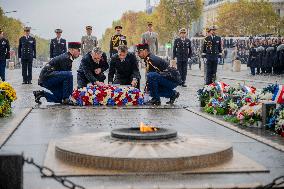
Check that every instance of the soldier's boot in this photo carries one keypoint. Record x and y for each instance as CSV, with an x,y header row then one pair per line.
x,y
173,98
38,95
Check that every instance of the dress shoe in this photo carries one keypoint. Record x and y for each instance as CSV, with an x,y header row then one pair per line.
x,y
67,102
25,82
38,95
29,82
154,101
173,98
184,85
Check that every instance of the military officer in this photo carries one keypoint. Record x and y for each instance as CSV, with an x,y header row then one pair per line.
x,y
26,53
117,40
57,45
92,68
4,54
151,38
157,84
123,68
56,76
88,41
212,50
182,52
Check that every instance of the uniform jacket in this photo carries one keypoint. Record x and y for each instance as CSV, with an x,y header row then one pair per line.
x,y
88,43
212,46
27,47
87,67
115,41
4,49
151,38
57,47
155,63
62,62
182,49
126,70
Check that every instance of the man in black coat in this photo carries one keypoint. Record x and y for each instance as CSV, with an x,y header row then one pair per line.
x,y
182,52
123,68
91,69
26,54
56,76
212,50
4,54
57,45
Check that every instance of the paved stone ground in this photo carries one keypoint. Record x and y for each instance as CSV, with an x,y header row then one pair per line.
x,y
45,124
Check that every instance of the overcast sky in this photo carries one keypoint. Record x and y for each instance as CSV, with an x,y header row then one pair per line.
x,y
70,15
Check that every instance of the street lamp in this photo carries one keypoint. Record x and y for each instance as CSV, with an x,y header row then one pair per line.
x,y
7,12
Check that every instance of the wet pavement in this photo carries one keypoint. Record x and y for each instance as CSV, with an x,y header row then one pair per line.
x,y
54,122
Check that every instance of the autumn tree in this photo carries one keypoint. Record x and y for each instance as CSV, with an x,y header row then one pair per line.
x,y
246,17
168,17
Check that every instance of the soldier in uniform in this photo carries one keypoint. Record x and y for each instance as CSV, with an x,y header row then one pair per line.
x,y
212,50
4,54
56,76
123,68
88,41
151,38
158,85
182,52
57,45
92,68
252,58
117,40
26,54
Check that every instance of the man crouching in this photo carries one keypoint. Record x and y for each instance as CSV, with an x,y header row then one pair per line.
x,y
158,82
56,76
91,69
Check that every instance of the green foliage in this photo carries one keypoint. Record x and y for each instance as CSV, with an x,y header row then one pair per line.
x,y
165,19
13,30
245,17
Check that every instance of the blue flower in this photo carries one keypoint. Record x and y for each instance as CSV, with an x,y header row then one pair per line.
x,y
140,101
124,101
110,102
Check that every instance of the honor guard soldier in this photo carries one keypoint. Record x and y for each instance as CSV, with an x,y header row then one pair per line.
x,y
117,40
151,38
4,54
182,52
56,76
88,41
26,54
212,50
92,68
123,68
157,84
57,45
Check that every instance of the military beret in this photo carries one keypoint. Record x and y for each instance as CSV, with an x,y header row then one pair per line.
x,y
27,28
207,29
58,31
150,23
74,45
182,30
118,27
142,46
212,28
89,27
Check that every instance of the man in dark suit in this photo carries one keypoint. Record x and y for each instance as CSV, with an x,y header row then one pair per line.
x,y
92,68
123,68
182,52
57,45
4,54
212,50
56,76
26,53
117,40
